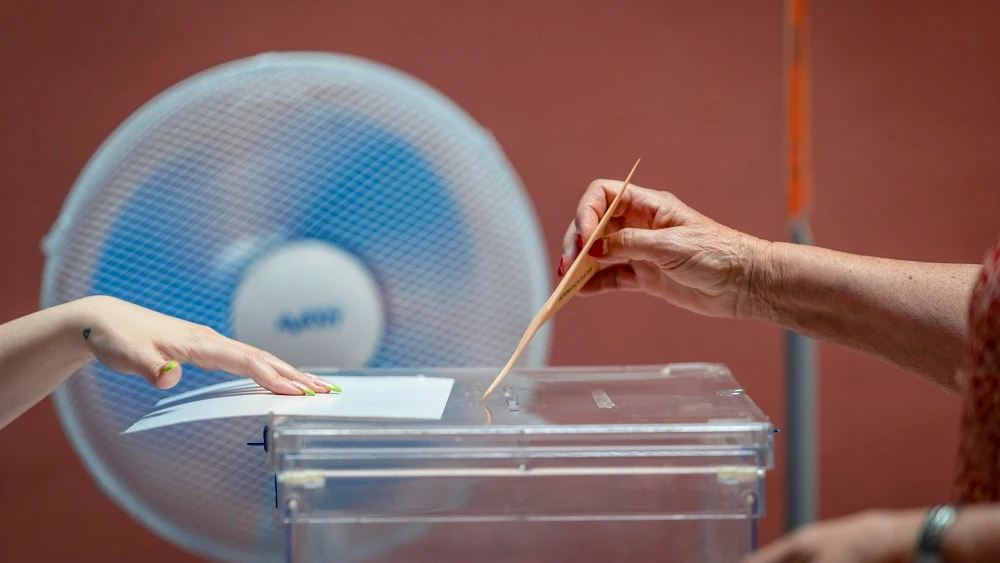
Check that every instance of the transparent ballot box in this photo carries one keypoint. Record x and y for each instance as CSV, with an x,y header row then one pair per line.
x,y
653,463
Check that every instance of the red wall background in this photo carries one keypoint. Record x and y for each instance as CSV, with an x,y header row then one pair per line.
x,y
907,158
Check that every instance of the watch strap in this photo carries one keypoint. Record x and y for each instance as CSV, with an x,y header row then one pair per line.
x,y
931,540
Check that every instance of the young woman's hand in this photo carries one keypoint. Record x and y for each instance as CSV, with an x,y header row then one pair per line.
x,y
130,339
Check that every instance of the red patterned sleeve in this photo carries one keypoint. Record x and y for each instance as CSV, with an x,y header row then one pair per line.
x,y
978,477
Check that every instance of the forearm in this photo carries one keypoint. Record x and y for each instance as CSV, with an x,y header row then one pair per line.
x,y
37,353
911,314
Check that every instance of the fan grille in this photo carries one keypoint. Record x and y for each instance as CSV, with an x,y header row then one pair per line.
x,y
237,162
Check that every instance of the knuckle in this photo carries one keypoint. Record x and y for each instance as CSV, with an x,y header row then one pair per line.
x,y
194,343
206,331
199,337
667,201
626,238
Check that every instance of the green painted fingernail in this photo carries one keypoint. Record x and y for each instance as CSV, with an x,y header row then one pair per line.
x,y
308,391
169,367
333,388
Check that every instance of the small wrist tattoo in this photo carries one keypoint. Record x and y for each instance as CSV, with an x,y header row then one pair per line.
x,y
86,333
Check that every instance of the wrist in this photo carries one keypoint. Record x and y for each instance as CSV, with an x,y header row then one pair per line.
x,y
77,322
760,279
932,533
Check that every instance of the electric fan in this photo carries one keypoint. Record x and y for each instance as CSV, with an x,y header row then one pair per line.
x,y
326,208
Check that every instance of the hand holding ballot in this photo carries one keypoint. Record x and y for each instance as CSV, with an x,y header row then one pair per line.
x,y
656,244
911,314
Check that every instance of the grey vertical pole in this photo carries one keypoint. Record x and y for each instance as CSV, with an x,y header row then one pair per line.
x,y
801,411
800,351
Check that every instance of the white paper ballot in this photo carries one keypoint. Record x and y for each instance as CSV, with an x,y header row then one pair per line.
x,y
397,397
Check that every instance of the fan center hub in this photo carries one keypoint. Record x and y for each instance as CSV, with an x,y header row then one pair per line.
x,y
311,304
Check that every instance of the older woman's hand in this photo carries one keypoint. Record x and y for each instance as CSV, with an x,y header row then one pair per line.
x,y
869,537
656,244
909,313
131,339
888,537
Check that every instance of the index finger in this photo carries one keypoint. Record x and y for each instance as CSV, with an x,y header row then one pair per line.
x,y
592,206
595,202
639,207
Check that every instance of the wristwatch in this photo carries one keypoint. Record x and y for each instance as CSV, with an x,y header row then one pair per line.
x,y
931,539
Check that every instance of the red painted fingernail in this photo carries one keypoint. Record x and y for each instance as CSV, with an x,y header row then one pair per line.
x,y
579,241
562,266
597,249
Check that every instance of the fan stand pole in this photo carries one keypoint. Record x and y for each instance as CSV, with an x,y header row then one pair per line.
x,y
800,351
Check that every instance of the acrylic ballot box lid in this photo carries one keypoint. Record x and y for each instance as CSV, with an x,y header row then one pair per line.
x,y
654,458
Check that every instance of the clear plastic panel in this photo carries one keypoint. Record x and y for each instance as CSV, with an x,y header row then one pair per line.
x,y
559,464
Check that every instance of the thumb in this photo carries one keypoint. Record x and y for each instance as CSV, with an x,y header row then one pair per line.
x,y
631,244
162,372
